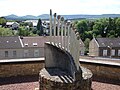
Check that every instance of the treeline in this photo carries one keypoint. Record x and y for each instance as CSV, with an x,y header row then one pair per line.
x,y
104,27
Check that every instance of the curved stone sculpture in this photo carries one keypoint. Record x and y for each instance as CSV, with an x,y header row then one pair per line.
x,y
62,68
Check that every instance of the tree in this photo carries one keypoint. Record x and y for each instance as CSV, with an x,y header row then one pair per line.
x,y
39,27
6,32
23,32
82,26
2,21
90,25
86,42
101,27
88,34
117,22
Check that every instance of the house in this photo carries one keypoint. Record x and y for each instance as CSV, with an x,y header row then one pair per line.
x,y
34,23
12,25
10,47
14,47
33,46
105,47
36,45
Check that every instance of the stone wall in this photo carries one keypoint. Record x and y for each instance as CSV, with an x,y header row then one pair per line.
x,y
103,71
10,69
100,71
55,79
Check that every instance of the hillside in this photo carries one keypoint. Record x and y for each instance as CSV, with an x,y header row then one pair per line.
x,y
46,16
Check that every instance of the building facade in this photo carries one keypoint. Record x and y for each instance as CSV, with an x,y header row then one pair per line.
x,y
12,25
15,47
105,47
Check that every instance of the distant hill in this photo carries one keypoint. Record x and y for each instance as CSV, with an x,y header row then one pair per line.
x,y
46,16
43,16
11,17
29,17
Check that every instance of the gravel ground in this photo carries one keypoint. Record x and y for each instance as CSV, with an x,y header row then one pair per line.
x,y
20,86
30,83
104,86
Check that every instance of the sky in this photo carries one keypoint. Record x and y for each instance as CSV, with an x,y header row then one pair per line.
x,y
62,7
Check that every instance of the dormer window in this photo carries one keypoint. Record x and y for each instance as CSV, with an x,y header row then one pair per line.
x,y
103,44
26,44
34,44
111,43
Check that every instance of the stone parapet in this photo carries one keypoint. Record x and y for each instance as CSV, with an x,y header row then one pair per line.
x,y
103,72
23,68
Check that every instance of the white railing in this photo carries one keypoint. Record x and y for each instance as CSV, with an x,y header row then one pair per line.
x,y
63,35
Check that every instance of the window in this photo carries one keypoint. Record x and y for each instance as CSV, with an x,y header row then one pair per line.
x,y
34,44
26,54
26,44
6,53
118,52
14,53
113,52
104,52
36,53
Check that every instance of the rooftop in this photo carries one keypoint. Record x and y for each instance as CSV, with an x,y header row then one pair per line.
x,y
9,42
105,42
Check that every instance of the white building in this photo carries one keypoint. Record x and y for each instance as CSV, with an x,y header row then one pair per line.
x,y
12,25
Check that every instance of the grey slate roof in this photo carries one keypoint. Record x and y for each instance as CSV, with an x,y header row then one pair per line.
x,y
37,41
14,42
9,42
105,42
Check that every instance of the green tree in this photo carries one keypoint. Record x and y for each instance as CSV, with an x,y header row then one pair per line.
x,y
86,42
39,27
2,21
100,27
117,22
88,34
6,32
82,26
23,32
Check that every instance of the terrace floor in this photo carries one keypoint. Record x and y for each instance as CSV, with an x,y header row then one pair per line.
x,y
31,82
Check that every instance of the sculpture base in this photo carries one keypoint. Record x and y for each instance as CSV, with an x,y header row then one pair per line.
x,y
56,79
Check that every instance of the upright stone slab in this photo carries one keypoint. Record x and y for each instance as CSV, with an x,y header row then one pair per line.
x,y
59,76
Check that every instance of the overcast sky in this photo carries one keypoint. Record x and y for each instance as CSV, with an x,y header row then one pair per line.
x,y
66,7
